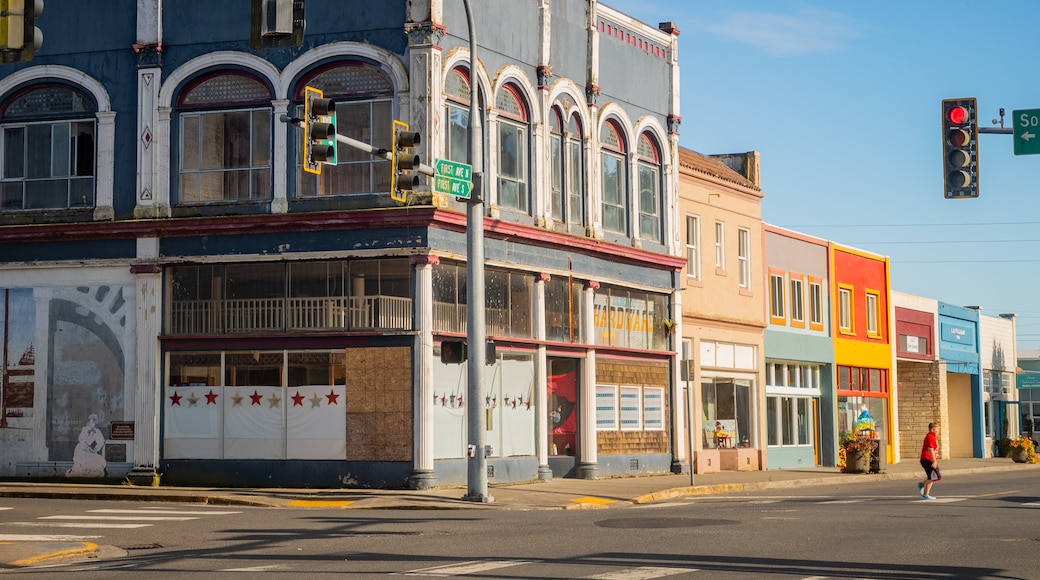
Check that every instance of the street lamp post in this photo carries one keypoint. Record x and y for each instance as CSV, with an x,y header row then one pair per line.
x,y
477,480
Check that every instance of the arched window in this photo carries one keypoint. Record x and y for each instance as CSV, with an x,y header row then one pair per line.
x,y
648,155
568,172
614,178
456,89
47,149
513,147
363,95
225,139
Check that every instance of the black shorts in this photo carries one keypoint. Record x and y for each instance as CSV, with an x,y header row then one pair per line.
x,y
928,469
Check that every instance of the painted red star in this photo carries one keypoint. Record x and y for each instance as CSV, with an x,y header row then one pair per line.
x,y
175,399
297,399
255,397
332,397
211,398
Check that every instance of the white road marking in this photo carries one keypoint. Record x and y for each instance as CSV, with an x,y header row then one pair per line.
x,y
641,573
268,568
91,525
6,508
44,538
942,499
466,568
842,501
162,512
668,504
144,518
1032,504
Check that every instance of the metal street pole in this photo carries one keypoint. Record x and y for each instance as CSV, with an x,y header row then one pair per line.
x,y
477,480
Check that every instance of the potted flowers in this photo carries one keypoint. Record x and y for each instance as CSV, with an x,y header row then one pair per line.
x,y
1023,449
857,453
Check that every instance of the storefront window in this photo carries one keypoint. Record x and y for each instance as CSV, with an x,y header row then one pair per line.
x,y
863,417
563,300
726,412
630,319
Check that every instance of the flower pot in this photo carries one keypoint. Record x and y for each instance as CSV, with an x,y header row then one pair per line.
x,y
857,462
1019,455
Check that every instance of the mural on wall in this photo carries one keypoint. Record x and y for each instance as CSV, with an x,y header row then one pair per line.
x,y
68,356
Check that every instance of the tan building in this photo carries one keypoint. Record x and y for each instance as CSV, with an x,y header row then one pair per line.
x,y
723,309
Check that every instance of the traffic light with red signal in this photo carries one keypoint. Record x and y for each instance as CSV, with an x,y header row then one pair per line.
x,y
960,148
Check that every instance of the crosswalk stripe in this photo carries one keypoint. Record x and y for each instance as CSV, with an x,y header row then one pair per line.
x,y
466,568
91,525
143,518
44,538
162,512
641,573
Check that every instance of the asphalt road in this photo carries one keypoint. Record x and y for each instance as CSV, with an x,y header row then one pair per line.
x,y
981,526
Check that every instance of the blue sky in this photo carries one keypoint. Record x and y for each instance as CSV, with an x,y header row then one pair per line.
x,y
843,100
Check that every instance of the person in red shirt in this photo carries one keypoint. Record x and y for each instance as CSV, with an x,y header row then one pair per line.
x,y
930,462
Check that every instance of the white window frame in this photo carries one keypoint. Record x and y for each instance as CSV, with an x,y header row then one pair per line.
x,y
777,301
693,250
720,245
744,257
815,303
845,309
798,300
873,314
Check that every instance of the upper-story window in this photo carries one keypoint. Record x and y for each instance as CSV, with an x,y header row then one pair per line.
x,y
648,154
47,149
225,139
815,303
568,171
744,257
513,146
845,309
720,245
364,111
693,246
613,155
456,134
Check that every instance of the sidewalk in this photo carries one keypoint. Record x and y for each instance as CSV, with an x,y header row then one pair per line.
x,y
556,494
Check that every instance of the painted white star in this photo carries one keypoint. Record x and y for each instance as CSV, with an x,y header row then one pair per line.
x,y
315,401
274,400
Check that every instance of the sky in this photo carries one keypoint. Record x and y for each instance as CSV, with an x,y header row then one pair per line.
x,y
843,101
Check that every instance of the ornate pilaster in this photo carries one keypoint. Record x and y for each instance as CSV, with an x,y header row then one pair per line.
x,y
541,395
423,475
588,458
148,278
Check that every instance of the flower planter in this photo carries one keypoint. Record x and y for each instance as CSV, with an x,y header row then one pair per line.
x,y
1019,455
857,462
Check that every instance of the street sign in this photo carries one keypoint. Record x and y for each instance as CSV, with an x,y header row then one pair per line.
x,y
454,169
449,186
1026,129
453,178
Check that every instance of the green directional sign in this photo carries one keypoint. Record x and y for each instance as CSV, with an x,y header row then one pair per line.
x,y
1026,129
454,169
449,186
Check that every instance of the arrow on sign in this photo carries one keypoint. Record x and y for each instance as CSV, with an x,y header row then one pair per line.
x,y
1027,136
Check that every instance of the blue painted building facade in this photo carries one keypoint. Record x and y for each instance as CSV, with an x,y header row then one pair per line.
x,y
176,281
959,349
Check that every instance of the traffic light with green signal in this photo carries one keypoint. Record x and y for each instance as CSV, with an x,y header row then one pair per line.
x,y
960,148
319,131
403,162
